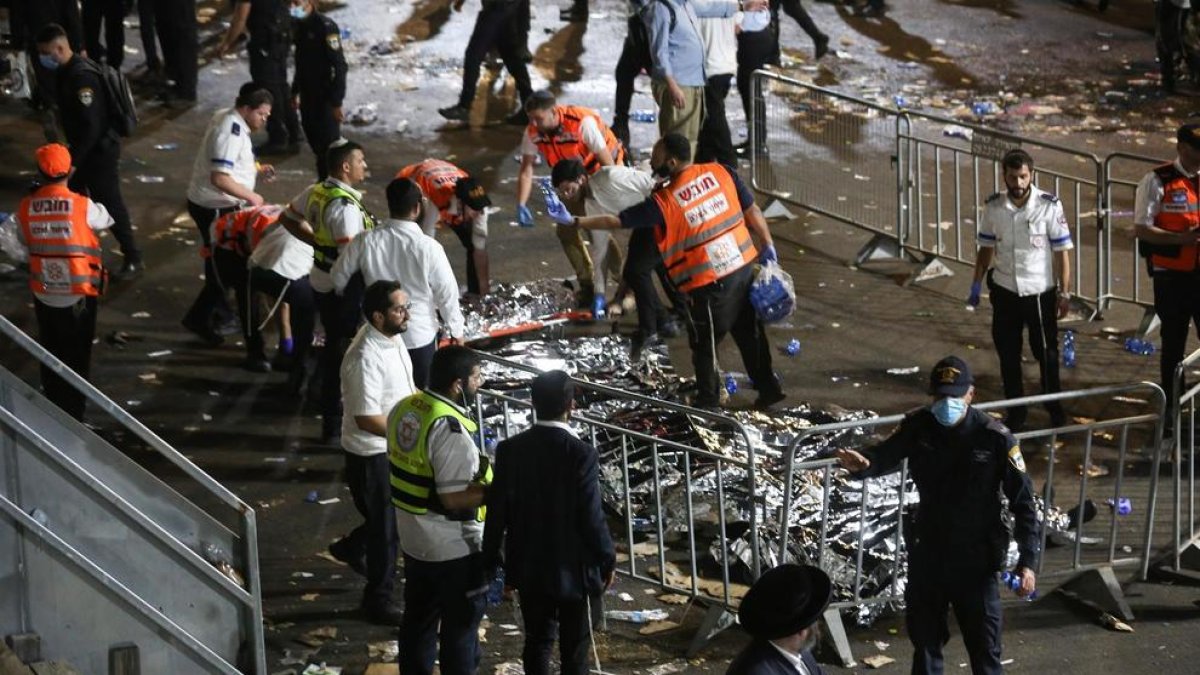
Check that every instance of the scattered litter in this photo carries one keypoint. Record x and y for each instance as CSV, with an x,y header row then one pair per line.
x,y
387,650
859,176
637,615
302,575
206,417
625,596
312,497
318,636
331,500
1130,399
140,315
401,126
314,669
956,131
508,626
143,178
1113,623
1007,662
655,627
645,116
910,370
672,667
159,353
167,146
275,460
674,599
645,548
363,115
148,377
509,668
881,645
309,597
132,404
877,660
296,657
1094,470
1104,34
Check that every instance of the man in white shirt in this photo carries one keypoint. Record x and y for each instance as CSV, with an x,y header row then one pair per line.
x,y
439,482
398,249
376,375
279,267
720,63
223,180
1024,240
328,215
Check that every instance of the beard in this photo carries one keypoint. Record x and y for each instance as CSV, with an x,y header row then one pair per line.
x,y
811,638
1018,193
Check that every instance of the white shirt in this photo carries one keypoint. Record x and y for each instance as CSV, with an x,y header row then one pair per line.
x,y
1147,201
398,250
432,537
589,133
1024,239
227,149
794,659
720,45
17,248
376,375
283,254
613,189
345,221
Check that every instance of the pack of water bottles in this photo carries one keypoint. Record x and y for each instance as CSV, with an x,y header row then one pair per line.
x,y
772,293
1138,346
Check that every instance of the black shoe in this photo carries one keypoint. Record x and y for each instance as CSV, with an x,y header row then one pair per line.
x,y
129,271
1058,418
176,102
357,563
257,364
620,129
768,401
455,113
208,335
820,47
518,119
384,614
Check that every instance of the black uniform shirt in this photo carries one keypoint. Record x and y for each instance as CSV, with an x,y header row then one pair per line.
x,y
269,22
320,62
961,472
84,110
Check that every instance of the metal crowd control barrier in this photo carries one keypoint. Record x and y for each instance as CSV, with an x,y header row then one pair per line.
x,y
1184,560
640,453
1079,570
97,552
1125,271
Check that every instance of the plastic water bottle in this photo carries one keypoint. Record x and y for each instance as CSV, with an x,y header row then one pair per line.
x,y
1137,346
792,348
900,101
1013,581
495,591
648,116
1122,506
981,108
730,384
1068,352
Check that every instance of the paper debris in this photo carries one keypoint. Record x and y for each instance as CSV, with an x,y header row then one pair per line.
x,y
322,669
159,353
309,597
673,599
1113,623
387,650
655,627
877,660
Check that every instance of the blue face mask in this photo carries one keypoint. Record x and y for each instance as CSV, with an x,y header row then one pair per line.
x,y
949,410
298,12
48,61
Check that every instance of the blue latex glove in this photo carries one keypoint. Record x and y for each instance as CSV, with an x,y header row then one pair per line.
x,y
554,206
973,298
768,254
599,307
524,216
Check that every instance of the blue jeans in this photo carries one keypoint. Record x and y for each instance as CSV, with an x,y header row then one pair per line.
x,y
452,592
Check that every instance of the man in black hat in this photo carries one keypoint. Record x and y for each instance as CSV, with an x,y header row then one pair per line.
x,y
961,460
546,528
781,610
1166,212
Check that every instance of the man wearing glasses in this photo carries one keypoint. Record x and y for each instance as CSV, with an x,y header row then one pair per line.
x,y
399,250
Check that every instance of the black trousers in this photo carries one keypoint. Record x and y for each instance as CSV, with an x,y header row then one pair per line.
x,y
321,129
1177,303
794,9
210,308
67,333
97,176
724,307
340,315
629,65
233,275
268,69
147,29
493,29
176,21
369,479
463,232
755,50
297,293
1012,315
422,360
641,263
548,619
975,598
451,593
112,14
715,144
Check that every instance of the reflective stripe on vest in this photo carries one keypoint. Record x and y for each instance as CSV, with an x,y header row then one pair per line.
x,y
325,247
230,230
1179,211
437,180
412,480
705,238
567,142
64,252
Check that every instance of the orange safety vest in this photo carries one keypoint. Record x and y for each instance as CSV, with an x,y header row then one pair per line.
x,y
240,231
567,142
1178,212
64,252
705,238
437,179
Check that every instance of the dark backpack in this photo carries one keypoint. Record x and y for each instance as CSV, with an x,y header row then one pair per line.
x,y
639,36
122,112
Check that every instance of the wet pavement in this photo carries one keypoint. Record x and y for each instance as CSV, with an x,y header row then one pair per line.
x,y
1056,70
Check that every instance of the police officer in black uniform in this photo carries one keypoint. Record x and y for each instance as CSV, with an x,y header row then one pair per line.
x,y
961,459
95,145
177,32
320,82
270,25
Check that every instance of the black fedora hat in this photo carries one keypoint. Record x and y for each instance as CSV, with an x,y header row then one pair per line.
x,y
785,600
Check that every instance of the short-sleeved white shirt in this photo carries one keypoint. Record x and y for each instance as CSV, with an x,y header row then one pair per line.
x,y
283,254
613,189
226,148
376,375
455,459
345,222
589,131
1024,239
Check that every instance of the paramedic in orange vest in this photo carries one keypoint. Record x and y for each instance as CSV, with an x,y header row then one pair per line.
x,y
558,132
705,222
461,204
1167,215
58,230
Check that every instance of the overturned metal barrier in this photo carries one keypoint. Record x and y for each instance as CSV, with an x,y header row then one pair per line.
x,y
854,530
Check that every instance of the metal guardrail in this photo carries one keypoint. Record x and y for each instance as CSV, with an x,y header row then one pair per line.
x,y
1186,538
1125,270
124,551
733,478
